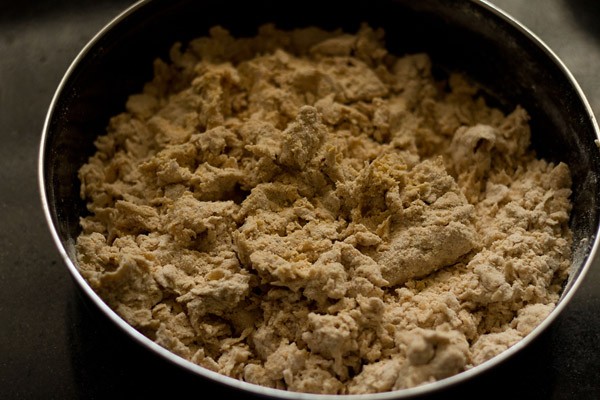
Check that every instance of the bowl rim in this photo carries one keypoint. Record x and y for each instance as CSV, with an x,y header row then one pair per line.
x,y
218,378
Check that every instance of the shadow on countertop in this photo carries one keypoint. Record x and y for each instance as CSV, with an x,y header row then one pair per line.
x,y
12,12
586,13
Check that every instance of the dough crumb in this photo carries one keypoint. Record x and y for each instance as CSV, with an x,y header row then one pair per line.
x,y
305,211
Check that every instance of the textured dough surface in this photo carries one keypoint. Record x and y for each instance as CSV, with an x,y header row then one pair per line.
x,y
305,211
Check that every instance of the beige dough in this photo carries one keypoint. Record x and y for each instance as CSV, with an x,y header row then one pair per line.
x,y
305,211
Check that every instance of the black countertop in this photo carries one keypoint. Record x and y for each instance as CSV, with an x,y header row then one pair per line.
x,y
52,345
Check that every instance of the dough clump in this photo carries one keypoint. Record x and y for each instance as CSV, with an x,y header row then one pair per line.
x,y
305,211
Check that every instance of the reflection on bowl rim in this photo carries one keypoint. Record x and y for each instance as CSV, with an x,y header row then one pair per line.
x,y
278,393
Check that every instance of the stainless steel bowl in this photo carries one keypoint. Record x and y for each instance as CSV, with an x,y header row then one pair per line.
x,y
474,37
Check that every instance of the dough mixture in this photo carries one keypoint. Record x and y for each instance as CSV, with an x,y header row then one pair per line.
x,y
305,211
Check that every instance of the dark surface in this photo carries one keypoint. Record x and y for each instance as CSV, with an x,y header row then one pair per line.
x,y
53,346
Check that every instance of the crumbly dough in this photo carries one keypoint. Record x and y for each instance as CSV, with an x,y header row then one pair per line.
x,y
305,211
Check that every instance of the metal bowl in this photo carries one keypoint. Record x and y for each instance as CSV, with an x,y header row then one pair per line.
x,y
506,59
